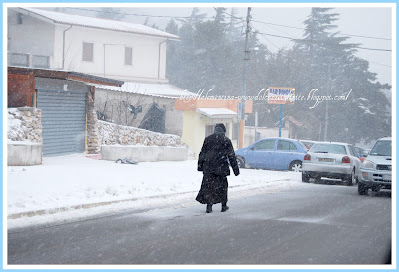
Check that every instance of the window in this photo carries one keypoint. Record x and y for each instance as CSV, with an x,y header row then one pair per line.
x,y
285,145
20,59
41,61
87,52
352,152
209,129
265,145
128,56
328,148
382,148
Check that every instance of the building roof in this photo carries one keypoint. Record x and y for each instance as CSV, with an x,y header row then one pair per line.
x,y
85,21
217,112
152,89
59,74
291,119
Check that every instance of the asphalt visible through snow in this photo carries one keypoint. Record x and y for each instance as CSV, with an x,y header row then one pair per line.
x,y
313,224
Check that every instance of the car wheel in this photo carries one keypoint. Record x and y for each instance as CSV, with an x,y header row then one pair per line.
x,y
350,179
296,166
241,162
375,188
362,189
305,177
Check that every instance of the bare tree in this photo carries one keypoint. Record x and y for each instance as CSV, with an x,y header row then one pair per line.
x,y
120,107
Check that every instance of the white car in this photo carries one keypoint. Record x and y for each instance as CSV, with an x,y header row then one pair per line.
x,y
376,170
331,160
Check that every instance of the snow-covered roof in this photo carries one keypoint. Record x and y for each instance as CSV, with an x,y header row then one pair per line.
x,y
217,112
152,89
78,20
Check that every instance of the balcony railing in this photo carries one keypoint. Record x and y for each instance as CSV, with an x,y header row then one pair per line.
x,y
28,60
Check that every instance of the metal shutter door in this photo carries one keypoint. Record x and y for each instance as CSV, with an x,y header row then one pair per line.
x,y
63,121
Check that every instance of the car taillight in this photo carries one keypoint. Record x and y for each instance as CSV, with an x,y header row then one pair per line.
x,y
307,157
346,159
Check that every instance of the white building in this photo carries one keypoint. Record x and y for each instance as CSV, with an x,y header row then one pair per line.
x,y
100,47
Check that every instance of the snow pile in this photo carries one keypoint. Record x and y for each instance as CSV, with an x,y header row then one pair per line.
x,y
56,190
24,125
113,134
15,131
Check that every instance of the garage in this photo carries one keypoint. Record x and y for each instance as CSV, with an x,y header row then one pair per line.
x,y
63,121
66,100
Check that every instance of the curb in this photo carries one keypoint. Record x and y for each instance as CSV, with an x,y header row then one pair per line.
x,y
99,204
85,206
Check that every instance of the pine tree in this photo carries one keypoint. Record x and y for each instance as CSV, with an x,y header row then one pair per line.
x,y
110,13
235,26
195,17
220,16
171,51
331,67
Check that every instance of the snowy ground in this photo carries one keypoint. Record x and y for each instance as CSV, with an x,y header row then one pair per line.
x,y
74,187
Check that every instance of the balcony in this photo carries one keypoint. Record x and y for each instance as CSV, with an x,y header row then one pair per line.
x,y
28,60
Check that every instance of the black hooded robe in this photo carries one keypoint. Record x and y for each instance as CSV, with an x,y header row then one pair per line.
x,y
216,153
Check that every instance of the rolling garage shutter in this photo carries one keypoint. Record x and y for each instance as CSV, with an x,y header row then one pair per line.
x,y
63,121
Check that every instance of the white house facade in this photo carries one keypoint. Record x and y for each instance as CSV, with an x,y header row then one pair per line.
x,y
101,47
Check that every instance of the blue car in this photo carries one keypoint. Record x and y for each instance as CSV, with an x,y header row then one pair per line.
x,y
273,153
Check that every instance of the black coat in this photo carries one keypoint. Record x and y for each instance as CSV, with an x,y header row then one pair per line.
x,y
216,153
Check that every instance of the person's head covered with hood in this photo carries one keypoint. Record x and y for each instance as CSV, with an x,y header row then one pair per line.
x,y
220,128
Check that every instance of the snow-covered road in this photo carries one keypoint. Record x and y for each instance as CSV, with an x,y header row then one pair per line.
x,y
63,188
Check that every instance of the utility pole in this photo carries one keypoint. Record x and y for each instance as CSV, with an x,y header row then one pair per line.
x,y
244,85
326,113
256,124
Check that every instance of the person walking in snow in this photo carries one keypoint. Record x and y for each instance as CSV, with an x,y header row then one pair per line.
x,y
216,154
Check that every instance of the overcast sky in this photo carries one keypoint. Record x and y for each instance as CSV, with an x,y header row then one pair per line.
x,y
357,20
371,22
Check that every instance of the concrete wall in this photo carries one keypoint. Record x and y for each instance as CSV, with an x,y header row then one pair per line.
x,y
144,153
21,154
111,104
24,136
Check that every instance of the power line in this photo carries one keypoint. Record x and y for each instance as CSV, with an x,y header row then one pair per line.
x,y
134,14
302,28
263,35
212,17
316,42
268,34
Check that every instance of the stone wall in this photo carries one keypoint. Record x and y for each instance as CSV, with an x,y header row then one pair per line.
x,y
93,142
113,134
24,124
